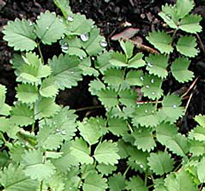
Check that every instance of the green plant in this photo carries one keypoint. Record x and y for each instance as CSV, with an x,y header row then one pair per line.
x,y
45,147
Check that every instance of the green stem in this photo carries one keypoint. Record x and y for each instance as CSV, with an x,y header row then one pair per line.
x,y
127,169
146,177
41,185
40,52
84,169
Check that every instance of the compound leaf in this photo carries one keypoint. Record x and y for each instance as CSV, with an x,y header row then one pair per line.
x,y
27,93
178,145
161,41
133,78
182,10
180,70
171,109
108,97
34,166
116,182
200,170
128,97
22,115
106,152
49,28
114,77
198,133
186,45
157,64
65,71
91,130
136,184
175,182
144,140
48,88
20,35
165,132
151,87
117,126
13,178
160,163
136,61
190,24
145,115
94,182
80,150
46,107
200,119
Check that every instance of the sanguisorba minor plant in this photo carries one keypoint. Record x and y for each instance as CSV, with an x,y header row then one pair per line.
x,y
43,145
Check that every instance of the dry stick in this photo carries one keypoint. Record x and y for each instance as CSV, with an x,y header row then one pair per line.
x,y
201,43
188,102
190,87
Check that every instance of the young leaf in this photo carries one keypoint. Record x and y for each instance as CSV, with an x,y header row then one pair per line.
x,y
157,64
20,35
108,97
27,93
184,10
136,184
49,28
114,77
190,24
127,47
13,178
152,87
116,182
133,78
94,182
180,70
80,150
48,88
144,140
161,41
65,71
186,45
22,115
136,61
160,163
106,152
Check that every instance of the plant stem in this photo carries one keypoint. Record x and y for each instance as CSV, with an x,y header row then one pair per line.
x,y
41,185
127,169
40,52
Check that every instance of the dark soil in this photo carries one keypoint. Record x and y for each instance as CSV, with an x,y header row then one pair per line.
x,y
110,17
